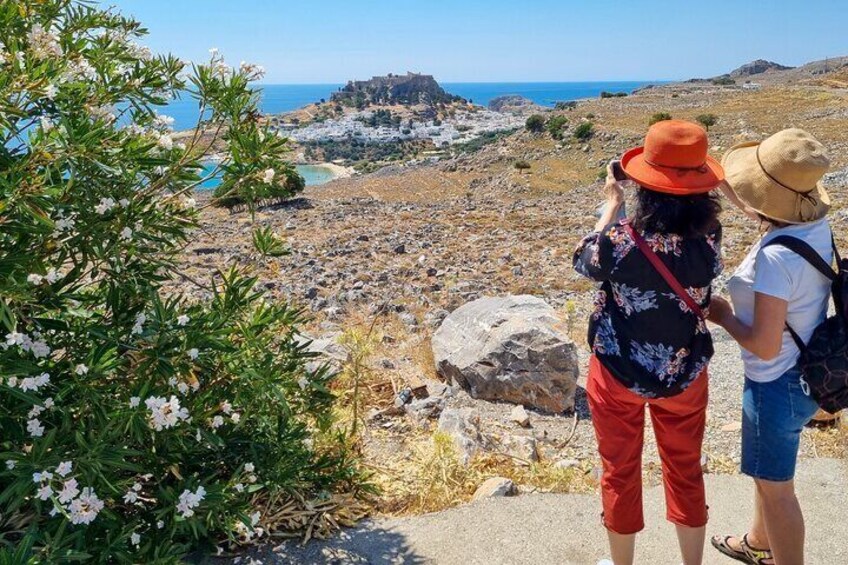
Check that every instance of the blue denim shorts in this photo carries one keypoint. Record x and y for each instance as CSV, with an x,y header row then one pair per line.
x,y
773,415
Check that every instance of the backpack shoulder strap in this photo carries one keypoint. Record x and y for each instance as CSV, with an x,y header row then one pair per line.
x,y
664,272
804,249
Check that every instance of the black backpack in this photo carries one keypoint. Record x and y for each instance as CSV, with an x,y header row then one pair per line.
x,y
824,359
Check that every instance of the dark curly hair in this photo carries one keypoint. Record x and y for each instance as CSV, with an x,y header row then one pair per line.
x,y
687,216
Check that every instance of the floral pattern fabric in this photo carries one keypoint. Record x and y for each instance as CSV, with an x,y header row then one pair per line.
x,y
641,331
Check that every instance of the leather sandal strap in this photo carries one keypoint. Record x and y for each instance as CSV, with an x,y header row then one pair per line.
x,y
758,555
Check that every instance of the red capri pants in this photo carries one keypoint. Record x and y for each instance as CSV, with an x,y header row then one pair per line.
x,y
618,416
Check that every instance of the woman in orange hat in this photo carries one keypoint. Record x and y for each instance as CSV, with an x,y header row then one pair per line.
x,y
649,340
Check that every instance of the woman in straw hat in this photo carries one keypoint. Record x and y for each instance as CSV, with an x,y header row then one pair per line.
x,y
777,182
649,339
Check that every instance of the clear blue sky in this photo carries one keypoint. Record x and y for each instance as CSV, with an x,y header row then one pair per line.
x,y
331,41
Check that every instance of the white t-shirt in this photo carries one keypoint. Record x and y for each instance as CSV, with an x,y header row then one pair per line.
x,y
779,272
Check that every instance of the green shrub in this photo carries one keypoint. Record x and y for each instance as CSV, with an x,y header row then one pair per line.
x,y
707,120
555,125
723,81
584,131
590,116
659,117
535,123
606,94
522,165
138,424
570,105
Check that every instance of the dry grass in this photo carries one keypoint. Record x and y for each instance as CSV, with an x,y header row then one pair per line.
x,y
831,442
433,478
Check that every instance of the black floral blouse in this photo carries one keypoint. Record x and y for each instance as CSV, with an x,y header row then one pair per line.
x,y
640,330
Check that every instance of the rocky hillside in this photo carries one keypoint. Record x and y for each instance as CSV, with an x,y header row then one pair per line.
x,y
757,67
408,89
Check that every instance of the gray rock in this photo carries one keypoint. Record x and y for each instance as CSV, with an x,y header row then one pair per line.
x,y
520,416
423,410
567,464
510,349
463,424
496,486
329,348
524,448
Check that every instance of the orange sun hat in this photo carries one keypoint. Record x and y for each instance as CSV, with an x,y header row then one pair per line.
x,y
674,160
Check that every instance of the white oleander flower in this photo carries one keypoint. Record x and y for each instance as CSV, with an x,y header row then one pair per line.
x,y
105,205
42,476
134,401
12,382
124,202
85,508
165,413
35,412
249,467
126,233
35,383
189,501
165,142
183,320
43,43
236,417
160,524
46,124
130,497
48,403
40,349
268,176
10,464
138,328
183,388
35,279
70,489
193,353
303,382
135,539
64,468
239,487
35,428
217,422
51,91
45,492
81,369
52,276
213,51
226,407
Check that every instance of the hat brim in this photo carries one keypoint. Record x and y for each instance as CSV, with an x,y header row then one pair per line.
x,y
680,182
762,194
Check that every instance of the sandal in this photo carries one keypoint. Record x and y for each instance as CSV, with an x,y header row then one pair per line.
x,y
746,554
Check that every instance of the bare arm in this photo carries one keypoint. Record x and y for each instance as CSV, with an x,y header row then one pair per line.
x,y
765,337
615,199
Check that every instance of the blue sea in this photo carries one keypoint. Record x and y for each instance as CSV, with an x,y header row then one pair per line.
x,y
278,98
312,175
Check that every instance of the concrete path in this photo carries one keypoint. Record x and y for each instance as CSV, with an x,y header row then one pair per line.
x,y
564,529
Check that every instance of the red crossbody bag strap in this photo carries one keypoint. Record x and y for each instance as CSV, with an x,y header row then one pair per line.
x,y
663,271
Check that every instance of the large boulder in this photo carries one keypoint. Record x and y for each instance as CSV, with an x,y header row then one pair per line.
x,y
510,349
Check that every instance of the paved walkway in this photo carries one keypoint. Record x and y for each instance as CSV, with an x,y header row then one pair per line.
x,y
564,529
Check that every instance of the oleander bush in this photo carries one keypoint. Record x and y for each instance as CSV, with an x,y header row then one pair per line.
x,y
556,126
584,131
659,117
137,424
535,123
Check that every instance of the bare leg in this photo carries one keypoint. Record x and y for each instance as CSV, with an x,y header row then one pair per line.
x,y
622,547
784,521
757,535
691,541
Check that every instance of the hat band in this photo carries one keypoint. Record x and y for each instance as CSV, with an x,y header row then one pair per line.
x,y
702,168
769,175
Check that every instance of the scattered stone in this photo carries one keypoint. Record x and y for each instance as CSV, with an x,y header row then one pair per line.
x,y
510,349
520,416
496,486
329,348
400,249
423,410
463,424
524,448
732,427
567,464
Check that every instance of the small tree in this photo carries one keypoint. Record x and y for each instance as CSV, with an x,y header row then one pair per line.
x,y
555,126
522,165
707,120
659,117
584,131
535,123
138,423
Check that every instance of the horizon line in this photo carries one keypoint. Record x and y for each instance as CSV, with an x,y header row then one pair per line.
x,y
482,82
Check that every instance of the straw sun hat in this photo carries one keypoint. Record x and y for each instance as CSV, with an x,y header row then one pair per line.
x,y
780,176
